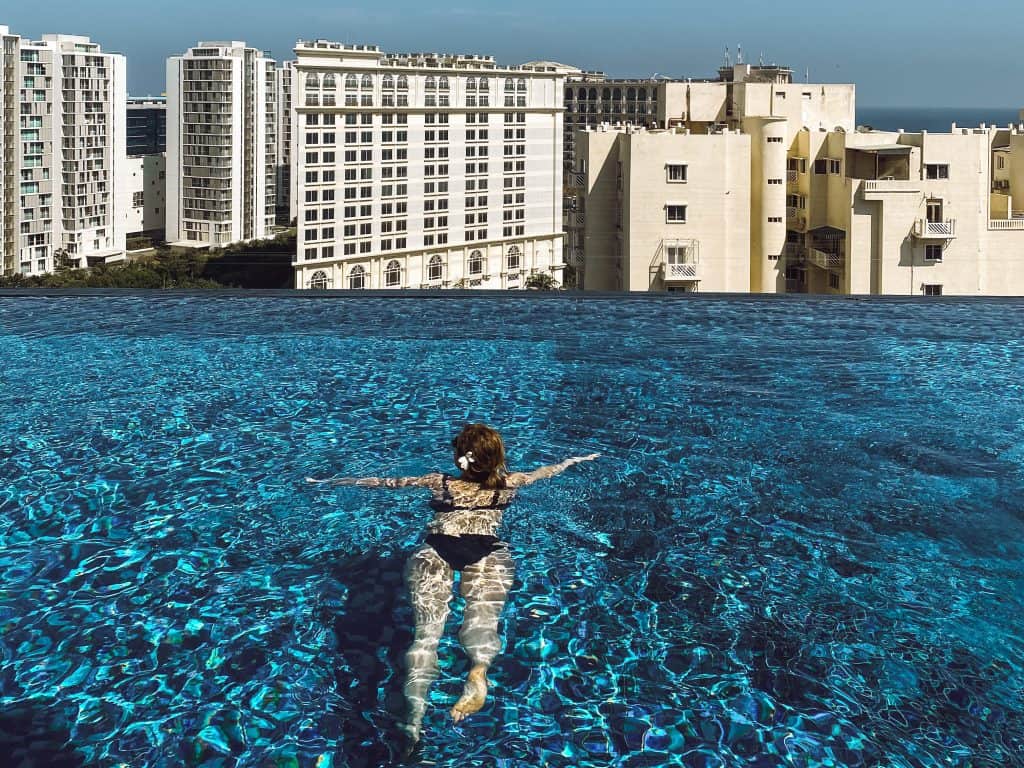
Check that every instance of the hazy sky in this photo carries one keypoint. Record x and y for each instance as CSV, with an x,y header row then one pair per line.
x,y
934,53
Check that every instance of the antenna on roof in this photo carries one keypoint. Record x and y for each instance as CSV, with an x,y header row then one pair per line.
x,y
739,53
728,58
760,59
807,75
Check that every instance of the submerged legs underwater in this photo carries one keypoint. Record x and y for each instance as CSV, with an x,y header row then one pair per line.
x,y
484,585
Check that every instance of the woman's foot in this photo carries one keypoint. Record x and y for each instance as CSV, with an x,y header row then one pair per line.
x,y
474,695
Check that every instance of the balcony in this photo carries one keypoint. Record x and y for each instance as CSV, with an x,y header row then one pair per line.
x,y
873,188
686,271
824,260
792,176
676,261
935,230
1003,224
796,219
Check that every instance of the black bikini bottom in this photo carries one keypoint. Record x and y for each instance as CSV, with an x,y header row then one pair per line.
x,y
462,551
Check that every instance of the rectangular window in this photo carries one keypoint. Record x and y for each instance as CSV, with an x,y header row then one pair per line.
x,y
835,167
833,281
936,171
774,181
932,290
774,139
676,173
774,219
933,253
675,214
821,166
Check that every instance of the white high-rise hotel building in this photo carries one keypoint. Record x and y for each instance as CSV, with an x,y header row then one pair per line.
x,y
62,115
425,170
221,144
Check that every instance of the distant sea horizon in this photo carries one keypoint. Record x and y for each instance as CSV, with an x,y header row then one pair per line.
x,y
934,119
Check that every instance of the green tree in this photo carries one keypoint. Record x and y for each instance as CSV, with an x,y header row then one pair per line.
x,y
541,281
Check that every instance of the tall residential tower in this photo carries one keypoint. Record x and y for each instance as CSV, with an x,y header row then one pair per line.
x,y
62,113
221,144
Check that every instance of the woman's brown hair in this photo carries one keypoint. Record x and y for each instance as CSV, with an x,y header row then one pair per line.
x,y
488,454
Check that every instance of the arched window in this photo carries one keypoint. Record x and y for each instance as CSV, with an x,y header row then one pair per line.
x,y
617,94
350,81
435,268
510,86
318,282
513,257
388,82
367,82
641,95
431,83
568,94
631,94
592,94
442,83
521,85
312,81
403,82
484,84
357,278
393,274
329,81
606,94
581,94
476,263
471,84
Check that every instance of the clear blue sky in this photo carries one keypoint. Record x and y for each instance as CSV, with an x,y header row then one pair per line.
x,y
936,53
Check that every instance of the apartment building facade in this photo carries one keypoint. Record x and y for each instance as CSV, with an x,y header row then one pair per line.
x,y
221,144
760,102
62,114
911,214
665,209
284,179
147,125
425,170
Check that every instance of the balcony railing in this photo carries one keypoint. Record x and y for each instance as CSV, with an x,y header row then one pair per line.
x,y
886,186
792,176
1006,224
686,271
935,229
825,260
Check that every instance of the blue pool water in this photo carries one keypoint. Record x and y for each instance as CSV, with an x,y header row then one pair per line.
x,y
803,546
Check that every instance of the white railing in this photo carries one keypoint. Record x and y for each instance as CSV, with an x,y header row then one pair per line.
x,y
891,185
924,228
680,271
792,176
825,260
1006,224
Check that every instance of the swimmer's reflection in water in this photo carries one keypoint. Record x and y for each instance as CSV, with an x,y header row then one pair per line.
x,y
463,538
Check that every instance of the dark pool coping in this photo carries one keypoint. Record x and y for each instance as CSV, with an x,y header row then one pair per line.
x,y
293,293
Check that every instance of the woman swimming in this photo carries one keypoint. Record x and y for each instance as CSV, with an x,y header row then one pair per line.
x,y
463,538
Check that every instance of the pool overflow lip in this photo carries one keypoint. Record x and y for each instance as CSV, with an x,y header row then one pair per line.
x,y
455,295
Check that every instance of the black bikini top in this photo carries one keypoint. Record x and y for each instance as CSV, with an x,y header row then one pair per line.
x,y
447,502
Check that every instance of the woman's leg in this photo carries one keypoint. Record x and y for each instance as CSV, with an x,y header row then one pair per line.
x,y
485,586
429,579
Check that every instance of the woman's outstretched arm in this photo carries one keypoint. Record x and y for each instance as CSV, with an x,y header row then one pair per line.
x,y
519,479
432,480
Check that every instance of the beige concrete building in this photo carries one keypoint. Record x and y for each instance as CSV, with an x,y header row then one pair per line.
x,y
907,213
665,209
760,102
